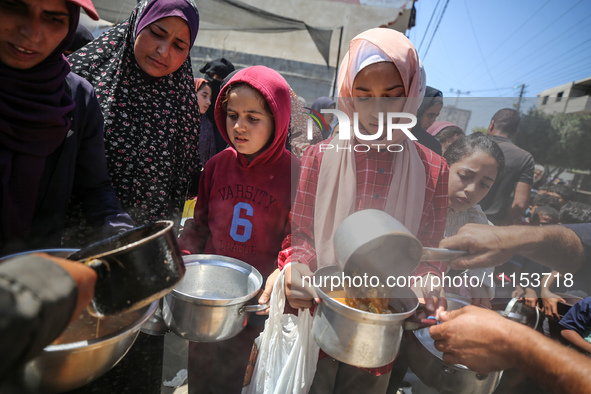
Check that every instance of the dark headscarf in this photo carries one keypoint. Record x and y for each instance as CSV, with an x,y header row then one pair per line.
x,y
82,37
222,67
151,124
432,97
34,120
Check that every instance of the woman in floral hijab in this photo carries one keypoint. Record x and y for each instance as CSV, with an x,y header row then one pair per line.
x,y
151,120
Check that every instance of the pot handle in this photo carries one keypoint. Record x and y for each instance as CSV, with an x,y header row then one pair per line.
x,y
414,323
253,308
441,254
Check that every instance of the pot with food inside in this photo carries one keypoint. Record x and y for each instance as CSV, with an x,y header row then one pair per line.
x,y
365,332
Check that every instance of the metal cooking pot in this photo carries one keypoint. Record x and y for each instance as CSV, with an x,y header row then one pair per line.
x,y
356,337
517,311
134,268
80,359
427,363
209,304
374,243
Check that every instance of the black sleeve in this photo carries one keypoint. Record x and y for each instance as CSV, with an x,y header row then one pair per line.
x,y
37,299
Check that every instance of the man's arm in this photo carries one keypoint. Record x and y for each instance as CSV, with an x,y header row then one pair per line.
x,y
557,247
39,295
520,203
485,341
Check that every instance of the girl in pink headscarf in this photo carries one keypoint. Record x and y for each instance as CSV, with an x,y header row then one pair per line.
x,y
446,133
380,73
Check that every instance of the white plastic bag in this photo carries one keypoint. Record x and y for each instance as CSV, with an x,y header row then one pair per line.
x,y
287,351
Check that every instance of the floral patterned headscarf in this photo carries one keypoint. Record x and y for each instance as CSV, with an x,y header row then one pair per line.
x,y
151,124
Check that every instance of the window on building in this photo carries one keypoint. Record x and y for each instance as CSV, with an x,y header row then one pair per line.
x,y
545,100
559,96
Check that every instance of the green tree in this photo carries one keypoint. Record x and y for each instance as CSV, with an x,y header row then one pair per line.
x,y
560,140
479,129
538,136
574,131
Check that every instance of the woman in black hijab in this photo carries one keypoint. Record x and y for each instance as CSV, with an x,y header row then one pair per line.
x,y
51,131
151,111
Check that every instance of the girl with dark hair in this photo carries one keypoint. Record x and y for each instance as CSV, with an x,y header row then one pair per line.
x,y
475,162
446,133
430,107
206,137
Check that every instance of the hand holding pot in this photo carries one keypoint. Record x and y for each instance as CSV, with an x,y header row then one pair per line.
x,y
488,246
479,297
300,293
550,301
433,297
85,278
477,338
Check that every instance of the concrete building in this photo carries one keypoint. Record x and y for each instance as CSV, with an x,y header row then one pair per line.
x,y
573,97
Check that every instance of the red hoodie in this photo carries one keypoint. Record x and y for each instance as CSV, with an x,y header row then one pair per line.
x,y
242,209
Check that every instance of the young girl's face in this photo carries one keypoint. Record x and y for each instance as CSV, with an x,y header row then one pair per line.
x,y
430,115
204,98
250,126
163,46
372,88
470,179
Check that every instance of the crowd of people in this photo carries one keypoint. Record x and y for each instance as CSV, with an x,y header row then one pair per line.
x,y
123,132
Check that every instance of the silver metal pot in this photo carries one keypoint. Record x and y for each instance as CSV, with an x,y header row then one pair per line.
x,y
73,364
356,337
209,304
374,243
517,311
427,363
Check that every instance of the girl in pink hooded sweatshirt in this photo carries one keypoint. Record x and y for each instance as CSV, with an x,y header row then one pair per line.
x,y
242,209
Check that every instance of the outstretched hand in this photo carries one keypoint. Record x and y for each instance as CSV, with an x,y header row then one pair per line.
x,y
488,246
474,337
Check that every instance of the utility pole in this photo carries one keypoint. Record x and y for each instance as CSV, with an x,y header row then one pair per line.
x,y
458,91
520,96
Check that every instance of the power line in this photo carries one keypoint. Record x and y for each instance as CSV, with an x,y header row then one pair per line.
x,y
557,59
436,27
490,90
536,35
546,45
567,76
542,51
478,44
429,24
509,36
